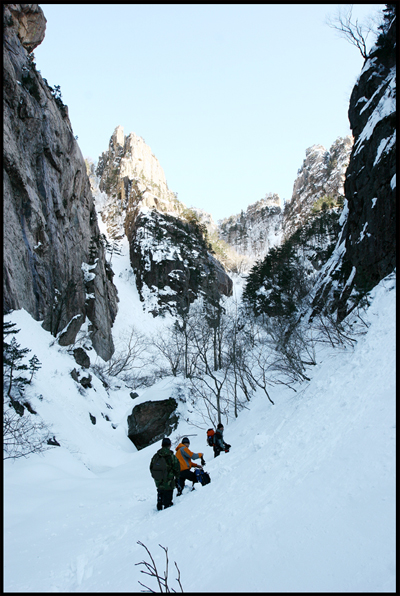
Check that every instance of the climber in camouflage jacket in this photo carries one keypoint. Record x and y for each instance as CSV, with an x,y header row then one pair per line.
x,y
166,485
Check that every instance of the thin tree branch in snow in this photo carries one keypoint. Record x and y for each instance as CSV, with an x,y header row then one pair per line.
x,y
153,572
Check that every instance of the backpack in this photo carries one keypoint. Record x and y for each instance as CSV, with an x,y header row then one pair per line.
x,y
210,437
158,467
202,477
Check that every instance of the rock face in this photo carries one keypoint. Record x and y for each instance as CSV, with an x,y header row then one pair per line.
x,y
371,176
81,357
321,178
54,265
168,249
151,421
366,249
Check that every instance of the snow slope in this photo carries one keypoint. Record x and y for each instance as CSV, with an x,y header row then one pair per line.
x,y
304,501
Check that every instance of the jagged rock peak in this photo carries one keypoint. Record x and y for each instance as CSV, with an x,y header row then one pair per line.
x,y
129,173
320,178
168,248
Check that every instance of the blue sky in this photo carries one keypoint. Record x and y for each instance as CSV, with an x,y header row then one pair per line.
x,y
228,97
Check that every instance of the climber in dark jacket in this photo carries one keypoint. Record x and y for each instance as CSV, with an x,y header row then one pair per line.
x,y
165,486
219,443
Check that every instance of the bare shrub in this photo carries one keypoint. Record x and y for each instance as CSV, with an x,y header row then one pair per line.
x,y
152,571
127,358
22,434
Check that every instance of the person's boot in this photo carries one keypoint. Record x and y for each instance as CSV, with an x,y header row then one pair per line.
x,y
179,488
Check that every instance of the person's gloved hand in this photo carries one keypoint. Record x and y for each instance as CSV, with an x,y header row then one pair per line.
x,y
203,463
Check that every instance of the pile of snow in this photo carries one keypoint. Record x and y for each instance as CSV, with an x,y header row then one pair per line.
x,y
304,501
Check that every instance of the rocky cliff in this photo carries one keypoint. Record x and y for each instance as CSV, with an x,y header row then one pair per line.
x,y
319,180
169,247
366,249
54,265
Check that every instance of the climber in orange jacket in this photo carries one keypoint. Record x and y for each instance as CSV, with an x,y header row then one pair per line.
x,y
185,457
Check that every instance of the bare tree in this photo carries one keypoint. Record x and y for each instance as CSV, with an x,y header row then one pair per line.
x,y
351,29
170,347
212,364
259,372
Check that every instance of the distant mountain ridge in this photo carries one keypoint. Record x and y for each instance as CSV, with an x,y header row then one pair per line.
x,y
264,225
253,232
131,179
320,178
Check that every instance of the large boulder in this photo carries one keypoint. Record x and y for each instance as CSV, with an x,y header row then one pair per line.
x,y
151,421
81,357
